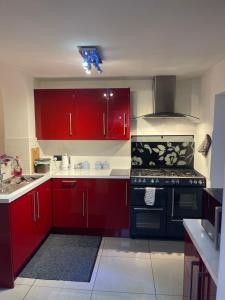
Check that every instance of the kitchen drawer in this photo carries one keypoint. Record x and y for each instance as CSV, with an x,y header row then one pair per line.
x,y
67,183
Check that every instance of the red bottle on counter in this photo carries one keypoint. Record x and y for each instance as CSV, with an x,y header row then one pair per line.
x,y
17,170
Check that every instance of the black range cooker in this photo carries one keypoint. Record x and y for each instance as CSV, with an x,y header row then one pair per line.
x,y
177,187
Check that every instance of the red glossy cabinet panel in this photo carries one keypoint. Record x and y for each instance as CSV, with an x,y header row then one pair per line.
x,y
93,203
198,284
43,211
118,114
69,207
82,114
54,114
91,114
22,228
108,204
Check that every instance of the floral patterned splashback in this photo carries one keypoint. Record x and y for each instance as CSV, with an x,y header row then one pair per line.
x,y
162,152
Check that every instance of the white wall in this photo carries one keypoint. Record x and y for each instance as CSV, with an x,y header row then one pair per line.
x,y
212,85
17,96
188,92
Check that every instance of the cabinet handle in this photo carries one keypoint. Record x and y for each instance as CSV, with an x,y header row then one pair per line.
x,y
69,181
104,127
38,205
83,203
218,211
124,124
87,209
193,264
126,194
71,132
34,206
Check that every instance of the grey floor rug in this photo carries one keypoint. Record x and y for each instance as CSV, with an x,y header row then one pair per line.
x,y
64,257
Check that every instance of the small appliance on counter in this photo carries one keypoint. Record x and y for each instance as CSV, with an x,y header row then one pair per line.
x,y
165,188
42,165
65,162
212,214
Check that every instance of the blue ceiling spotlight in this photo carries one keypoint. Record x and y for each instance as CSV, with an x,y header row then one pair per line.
x,y
92,57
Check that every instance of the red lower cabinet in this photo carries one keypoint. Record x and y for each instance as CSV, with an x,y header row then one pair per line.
x,y
198,284
24,223
93,203
69,203
108,204
43,211
23,229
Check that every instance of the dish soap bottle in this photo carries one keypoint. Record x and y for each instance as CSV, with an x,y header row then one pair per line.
x,y
17,170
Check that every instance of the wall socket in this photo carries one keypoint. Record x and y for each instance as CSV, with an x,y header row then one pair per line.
x,y
57,157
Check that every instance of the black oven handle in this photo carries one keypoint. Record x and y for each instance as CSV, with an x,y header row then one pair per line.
x,y
143,208
143,188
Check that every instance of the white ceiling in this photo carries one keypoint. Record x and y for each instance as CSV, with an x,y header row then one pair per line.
x,y
139,37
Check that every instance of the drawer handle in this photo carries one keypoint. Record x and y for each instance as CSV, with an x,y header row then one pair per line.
x,y
69,181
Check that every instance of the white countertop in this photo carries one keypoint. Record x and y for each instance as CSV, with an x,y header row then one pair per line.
x,y
89,173
204,246
76,173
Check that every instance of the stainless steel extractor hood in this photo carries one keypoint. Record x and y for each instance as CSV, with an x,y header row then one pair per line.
x,y
164,94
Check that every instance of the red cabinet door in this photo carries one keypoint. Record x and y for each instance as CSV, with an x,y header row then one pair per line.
x,y
208,287
69,210
108,204
118,127
90,117
43,203
192,268
55,114
22,228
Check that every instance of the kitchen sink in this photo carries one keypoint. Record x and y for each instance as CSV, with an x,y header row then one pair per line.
x,y
14,183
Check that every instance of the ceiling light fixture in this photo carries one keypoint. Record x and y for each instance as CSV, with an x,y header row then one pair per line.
x,y
91,56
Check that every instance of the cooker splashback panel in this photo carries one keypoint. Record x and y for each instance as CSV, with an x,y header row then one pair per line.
x,y
162,151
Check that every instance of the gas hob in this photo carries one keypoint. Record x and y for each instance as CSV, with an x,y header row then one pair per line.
x,y
167,177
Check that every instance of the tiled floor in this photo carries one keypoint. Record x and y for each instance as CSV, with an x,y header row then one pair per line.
x,y
125,269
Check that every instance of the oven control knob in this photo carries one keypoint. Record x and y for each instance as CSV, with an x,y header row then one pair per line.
x,y
173,181
152,181
144,180
139,180
177,181
190,181
195,181
200,182
157,181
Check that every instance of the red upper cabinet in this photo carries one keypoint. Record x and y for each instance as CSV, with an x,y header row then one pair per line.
x,y
90,117
82,114
54,114
118,125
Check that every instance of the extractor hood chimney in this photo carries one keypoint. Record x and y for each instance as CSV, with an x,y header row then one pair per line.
x,y
164,94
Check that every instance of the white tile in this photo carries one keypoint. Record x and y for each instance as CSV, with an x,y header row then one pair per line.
x,y
70,284
125,247
168,276
47,293
165,297
130,275
167,249
18,293
120,296
26,281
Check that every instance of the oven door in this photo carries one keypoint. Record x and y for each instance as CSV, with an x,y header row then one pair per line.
x,y
184,203
148,222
